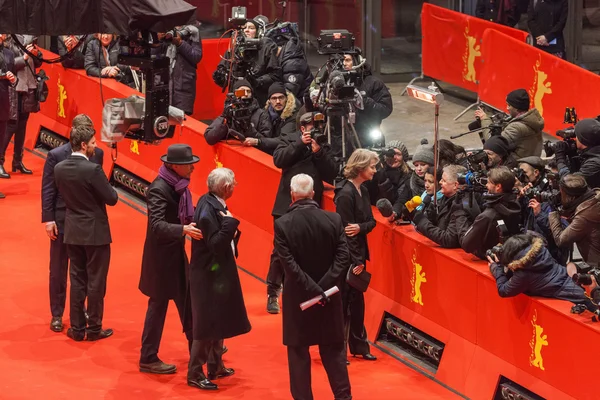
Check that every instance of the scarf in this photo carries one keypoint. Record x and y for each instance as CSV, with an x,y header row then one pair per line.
x,y
417,184
186,209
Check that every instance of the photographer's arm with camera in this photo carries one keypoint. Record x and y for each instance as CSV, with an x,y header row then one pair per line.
x,y
291,150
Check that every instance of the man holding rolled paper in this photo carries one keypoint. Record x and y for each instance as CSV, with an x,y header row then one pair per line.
x,y
311,244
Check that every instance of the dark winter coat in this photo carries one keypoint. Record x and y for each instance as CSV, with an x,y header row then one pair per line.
x,y
590,166
294,157
355,208
218,309
22,102
294,67
7,63
497,11
483,234
444,230
77,59
94,58
548,18
260,127
378,106
392,184
311,244
286,121
583,229
536,273
164,261
183,75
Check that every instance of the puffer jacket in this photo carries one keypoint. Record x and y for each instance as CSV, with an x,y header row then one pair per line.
x,y
583,229
536,273
524,135
294,67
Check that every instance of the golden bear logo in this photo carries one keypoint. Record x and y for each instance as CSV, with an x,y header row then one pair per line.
x,y
416,281
218,163
62,96
540,87
473,50
538,341
134,147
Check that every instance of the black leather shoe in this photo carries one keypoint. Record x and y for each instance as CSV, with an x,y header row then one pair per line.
x,y
3,173
225,372
158,367
273,305
103,334
21,168
203,384
368,357
56,324
76,336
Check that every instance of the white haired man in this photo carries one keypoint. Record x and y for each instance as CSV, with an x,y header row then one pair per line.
x,y
311,245
218,309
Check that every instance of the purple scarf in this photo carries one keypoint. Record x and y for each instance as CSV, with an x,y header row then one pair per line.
x,y
186,209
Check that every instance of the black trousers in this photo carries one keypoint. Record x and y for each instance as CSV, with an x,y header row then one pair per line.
x,y
16,128
59,266
208,352
334,360
89,269
154,324
275,274
354,319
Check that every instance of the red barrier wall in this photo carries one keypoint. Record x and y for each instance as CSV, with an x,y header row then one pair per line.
x,y
453,45
209,97
457,303
552,83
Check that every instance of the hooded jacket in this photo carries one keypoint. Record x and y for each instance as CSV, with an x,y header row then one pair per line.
x,y
524,135
294,67
536,273
584,229
483,234
286,121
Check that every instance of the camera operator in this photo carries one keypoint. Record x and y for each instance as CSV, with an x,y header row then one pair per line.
x,y
587,133
500,204
581,208
101,58
66,43
23,101
183,46
260,67
7,79
282,108
498,151
377,99
524,265
524,130
297,153
442,226
257,129
535,213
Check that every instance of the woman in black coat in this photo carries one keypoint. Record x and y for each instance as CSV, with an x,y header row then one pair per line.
x,y
354,206
532,270
218,309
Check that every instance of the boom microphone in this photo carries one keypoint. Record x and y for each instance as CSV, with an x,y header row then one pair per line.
x,y
385,207
337,80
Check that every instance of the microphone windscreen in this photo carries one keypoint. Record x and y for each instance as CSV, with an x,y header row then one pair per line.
x,y
385,207
413,203
475,124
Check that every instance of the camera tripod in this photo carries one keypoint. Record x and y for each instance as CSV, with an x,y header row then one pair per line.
x,y
347,124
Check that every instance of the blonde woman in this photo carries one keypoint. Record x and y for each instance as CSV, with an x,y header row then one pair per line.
x,y
354,206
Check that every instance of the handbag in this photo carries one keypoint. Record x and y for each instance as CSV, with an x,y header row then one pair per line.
x,y
41,92
359,282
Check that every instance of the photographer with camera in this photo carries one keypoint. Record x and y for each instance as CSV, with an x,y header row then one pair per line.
x,y
183,46
524,265
7,79
524,129
500,204
581,208
243,119
587,135
102,57
66,43
253,58
304,152
442,226
498,153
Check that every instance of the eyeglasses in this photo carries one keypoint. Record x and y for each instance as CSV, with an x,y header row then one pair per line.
x,y
277,98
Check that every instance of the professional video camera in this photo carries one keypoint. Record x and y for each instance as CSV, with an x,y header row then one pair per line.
x,y
474,180
568,136
183,32
282,32
237,111
477,161
335,41
497,125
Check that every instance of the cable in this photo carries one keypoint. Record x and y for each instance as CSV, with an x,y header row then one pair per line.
x,y
51,60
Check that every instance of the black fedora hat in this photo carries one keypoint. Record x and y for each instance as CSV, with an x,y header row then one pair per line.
x,y
180,153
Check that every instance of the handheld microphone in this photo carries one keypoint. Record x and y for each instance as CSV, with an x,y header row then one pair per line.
x,y
385,207
410,206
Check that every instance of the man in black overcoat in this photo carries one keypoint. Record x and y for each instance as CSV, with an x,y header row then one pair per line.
x,y
53,217
218,309
86,192
311,245
164,262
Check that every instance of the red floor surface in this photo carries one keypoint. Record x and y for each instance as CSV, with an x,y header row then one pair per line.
x,y
38,363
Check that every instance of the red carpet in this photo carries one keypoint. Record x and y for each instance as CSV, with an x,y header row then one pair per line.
x,y
38,363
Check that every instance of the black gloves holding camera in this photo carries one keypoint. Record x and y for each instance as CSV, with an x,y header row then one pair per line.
x,y
220,76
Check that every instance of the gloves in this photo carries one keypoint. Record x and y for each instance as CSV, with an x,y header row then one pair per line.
x,y
561,148
418,216
220,75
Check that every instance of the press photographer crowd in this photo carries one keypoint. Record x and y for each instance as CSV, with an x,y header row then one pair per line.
x,y
504,204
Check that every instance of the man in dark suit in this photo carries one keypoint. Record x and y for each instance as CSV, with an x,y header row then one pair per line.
x,y
311,246
164,262
86,192
53,215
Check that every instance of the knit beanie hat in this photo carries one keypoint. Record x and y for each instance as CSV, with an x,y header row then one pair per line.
x,y
242,82
424,153
276,87
519,99
588,132
396,144
497,144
